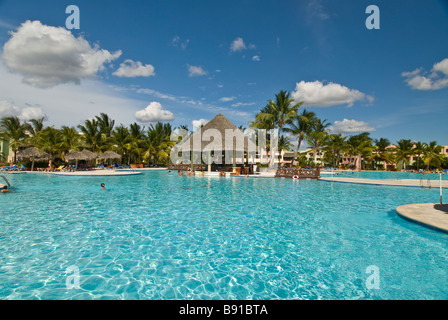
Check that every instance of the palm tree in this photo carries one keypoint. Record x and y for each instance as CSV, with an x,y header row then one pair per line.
x,y
137,136
403,150
278,112
105,124
318,135
301,126
13,131
284,144
380,153
419,149
432,154
35,126
50,141
92,135
359,145
265,122
157,142
71,139
122,140
335,144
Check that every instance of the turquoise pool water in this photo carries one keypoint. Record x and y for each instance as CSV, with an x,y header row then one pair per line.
x,y
389,175
159,236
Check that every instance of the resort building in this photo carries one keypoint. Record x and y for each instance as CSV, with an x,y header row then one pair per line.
x,y
350,161
6,154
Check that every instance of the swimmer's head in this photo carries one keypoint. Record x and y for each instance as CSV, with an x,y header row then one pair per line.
x,y
102,185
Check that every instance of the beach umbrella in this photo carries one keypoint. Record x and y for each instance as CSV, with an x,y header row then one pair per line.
x,y
34,153
109,155
81,155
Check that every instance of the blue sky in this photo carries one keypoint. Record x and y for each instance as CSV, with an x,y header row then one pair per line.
x,y
184,61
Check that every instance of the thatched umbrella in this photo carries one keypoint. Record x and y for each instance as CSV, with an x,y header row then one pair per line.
x,y
34,153
109,155
81,155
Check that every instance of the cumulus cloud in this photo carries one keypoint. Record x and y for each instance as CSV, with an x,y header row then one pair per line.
x,y
435,80
8,109
227,99
256,58
316,94
351,126
194,71
67,104
32,113
47,56
132,69
237,45
177,42
154,112
197,124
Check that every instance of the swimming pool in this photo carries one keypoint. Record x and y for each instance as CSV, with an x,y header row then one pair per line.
x,y
160,236
394,175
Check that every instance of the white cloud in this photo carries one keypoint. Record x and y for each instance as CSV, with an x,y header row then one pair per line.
x,y
237,45
154,112
421,80
351,126
177,42
131,69
241,104
194,71
316,9
7,109
198,123
67,104
226,99
442,66
48,56
316,94
256,58
32,113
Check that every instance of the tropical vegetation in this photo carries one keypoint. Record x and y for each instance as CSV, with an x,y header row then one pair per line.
x,y
294,126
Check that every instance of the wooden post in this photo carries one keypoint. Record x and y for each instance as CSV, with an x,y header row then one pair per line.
x,y
234,160
210,161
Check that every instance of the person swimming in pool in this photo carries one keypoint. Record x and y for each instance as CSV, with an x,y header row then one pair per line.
x,y
103,187
5,189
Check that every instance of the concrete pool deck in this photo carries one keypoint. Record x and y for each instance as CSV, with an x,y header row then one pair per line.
x,y
431,215
390,182
96,173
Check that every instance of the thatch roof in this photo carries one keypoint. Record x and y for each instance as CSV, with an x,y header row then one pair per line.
x,y
81,155
33,153
110,155
218,127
